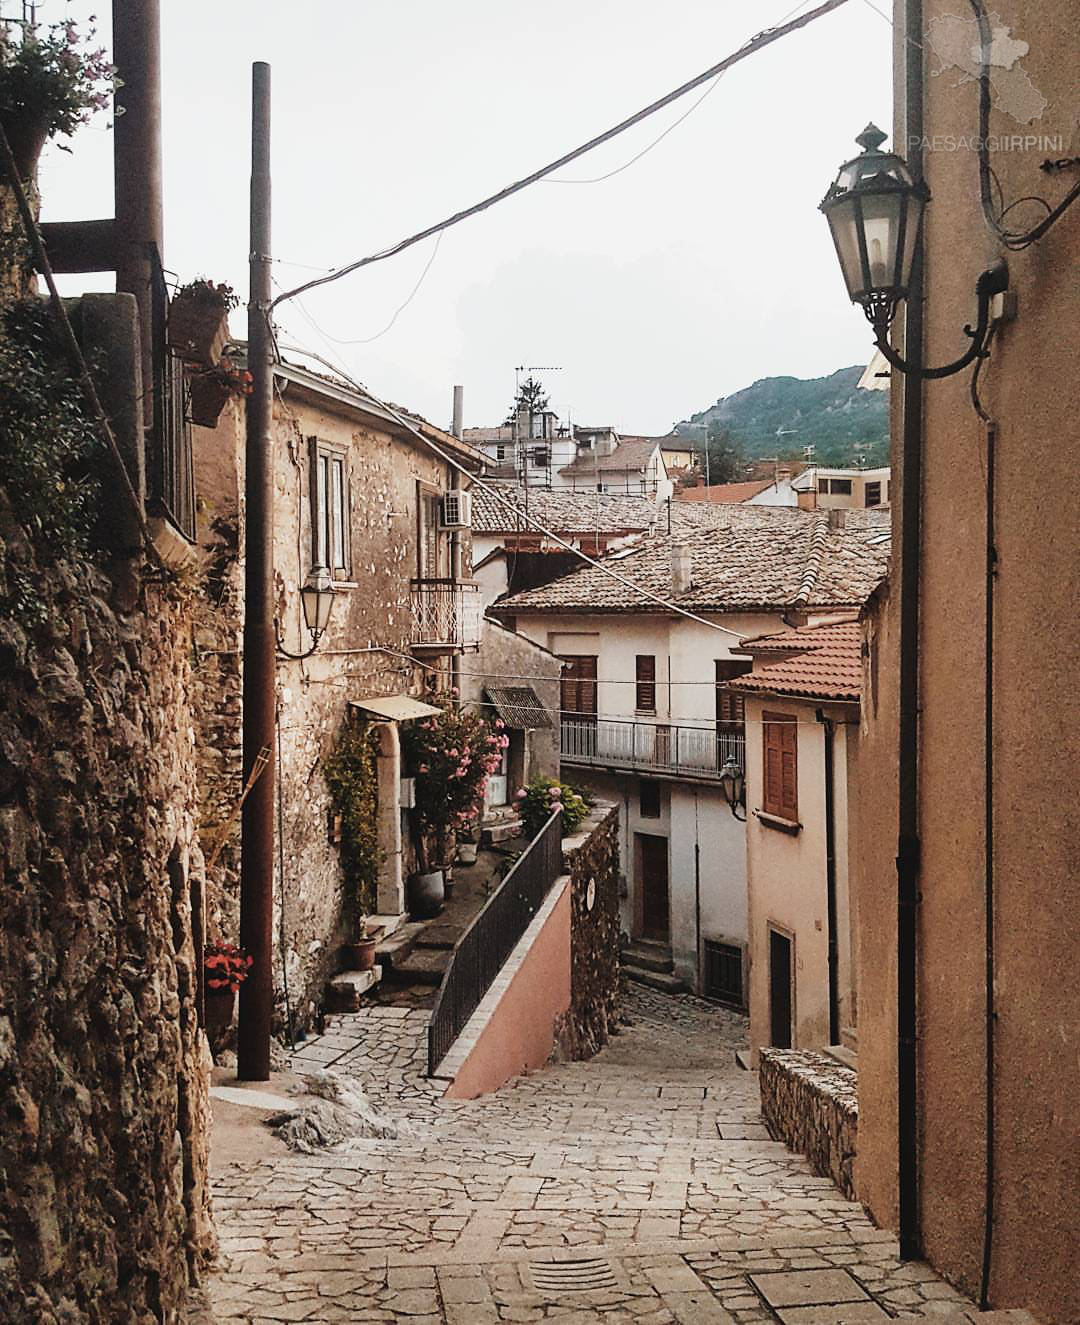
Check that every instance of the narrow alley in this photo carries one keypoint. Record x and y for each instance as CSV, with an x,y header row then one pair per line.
x,y
638,1187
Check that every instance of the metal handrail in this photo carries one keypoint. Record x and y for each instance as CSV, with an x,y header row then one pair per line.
x,y
481,952
651,746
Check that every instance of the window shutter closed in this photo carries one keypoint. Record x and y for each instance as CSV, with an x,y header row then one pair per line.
x,y
646,683
781,766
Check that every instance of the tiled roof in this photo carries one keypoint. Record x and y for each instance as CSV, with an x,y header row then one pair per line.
x,y
631,455
519,707
817,662
562,512
743,558
725,492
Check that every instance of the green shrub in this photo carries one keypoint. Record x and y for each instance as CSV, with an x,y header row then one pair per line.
x,y
351,776
536,802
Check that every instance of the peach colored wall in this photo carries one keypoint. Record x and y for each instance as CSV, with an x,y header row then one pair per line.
x,y
519,1035
1031,387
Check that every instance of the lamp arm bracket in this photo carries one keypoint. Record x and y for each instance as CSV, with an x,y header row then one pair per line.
x,y
994,280
296,657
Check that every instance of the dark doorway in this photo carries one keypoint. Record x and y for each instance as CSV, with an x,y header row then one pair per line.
x,y
780,990
652,856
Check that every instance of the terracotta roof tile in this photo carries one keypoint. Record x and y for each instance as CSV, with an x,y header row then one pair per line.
x,y
742,558
819,662
631,455
725,492
562,512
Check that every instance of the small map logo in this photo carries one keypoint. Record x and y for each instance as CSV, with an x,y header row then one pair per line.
x,y
955,41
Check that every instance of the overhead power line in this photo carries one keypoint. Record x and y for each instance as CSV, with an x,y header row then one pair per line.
x,y
755,44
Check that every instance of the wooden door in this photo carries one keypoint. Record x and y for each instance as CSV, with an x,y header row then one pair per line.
x,y
779,990
653,882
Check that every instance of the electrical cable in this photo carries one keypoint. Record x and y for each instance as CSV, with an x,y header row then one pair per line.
x,y
756,43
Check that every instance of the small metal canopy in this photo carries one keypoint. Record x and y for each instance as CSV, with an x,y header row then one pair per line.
x,y
519,707
395,708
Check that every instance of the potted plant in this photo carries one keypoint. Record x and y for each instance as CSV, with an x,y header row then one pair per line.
x,y
451,757
536,802
360,953
225,968
352,781
212,387
198,327
51,81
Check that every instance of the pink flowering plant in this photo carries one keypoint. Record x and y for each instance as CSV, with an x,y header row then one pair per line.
x,y
51,76
536,802
451,758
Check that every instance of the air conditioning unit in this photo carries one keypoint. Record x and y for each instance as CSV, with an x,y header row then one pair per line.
x,y
457,509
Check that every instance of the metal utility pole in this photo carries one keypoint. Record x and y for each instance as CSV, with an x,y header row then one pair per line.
x,y
257,837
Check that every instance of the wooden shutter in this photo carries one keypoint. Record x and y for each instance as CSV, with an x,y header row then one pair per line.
x,y
578,685
780,792
317,500
730,704
645,678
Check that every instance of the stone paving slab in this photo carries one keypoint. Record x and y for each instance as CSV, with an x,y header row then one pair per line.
x,y
638,1187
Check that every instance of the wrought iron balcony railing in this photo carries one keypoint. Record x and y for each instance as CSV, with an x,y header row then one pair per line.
x,y
447,614
652,747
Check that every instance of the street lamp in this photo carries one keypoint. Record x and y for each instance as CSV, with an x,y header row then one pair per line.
x,y
733,785
874,208
317,601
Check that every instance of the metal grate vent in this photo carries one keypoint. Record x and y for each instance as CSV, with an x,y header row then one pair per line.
x,y
572,1276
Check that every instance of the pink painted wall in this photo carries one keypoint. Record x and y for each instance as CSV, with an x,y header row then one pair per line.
x,y
519,1034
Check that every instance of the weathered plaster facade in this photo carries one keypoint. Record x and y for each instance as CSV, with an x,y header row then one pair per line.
x,y
1026,772
371,649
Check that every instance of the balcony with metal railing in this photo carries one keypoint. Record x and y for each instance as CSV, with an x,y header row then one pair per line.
x,y
657,748
447,615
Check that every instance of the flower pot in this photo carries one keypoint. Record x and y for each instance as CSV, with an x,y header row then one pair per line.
x,y
26,138
197,329
426,894
207,400
360,955
220,1005
466,853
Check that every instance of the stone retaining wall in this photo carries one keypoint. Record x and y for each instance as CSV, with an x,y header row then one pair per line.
x,y
809,1101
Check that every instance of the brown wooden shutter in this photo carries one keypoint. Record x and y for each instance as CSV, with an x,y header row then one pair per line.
x,y
578,685
730,704
780,791
645,677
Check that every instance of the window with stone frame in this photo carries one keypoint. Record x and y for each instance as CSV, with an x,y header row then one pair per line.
x,y
330,500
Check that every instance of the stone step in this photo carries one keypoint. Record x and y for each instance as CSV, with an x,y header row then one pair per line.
x,y
394,949
660,980
648,956
344,991
423,966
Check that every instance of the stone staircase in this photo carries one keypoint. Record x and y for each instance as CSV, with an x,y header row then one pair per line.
x,y
650,964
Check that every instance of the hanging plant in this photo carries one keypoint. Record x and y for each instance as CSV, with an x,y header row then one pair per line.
x,y
353,782
51,81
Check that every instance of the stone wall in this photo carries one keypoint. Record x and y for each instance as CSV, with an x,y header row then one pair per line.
x,y
809,1102
592,859
104,1209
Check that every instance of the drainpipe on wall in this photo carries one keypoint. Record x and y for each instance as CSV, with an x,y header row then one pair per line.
x,y
910,518
830,875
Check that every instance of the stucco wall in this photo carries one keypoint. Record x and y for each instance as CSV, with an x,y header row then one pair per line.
x,y
1031,388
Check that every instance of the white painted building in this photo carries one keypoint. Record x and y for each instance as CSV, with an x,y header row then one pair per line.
x,y
647,718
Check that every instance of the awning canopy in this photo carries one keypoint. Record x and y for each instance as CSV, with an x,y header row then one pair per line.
x,y
519,707
396,708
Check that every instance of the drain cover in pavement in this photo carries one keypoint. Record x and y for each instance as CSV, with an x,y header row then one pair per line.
x,y
572,1276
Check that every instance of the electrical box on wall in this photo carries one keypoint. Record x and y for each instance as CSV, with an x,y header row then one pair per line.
x,y
457,509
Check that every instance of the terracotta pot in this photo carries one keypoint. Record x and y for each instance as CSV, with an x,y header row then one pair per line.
x,y
426,894
360,954
197,329
207,400
220,1005
26,138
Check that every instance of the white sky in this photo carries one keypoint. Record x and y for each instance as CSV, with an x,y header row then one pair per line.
x,y
700,268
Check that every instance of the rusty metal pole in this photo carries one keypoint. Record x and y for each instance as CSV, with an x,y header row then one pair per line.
x,y
137,160
257,837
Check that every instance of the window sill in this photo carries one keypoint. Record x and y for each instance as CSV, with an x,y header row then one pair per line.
x,y
790,826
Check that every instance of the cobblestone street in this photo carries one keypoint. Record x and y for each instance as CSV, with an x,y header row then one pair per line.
x,y
638,1187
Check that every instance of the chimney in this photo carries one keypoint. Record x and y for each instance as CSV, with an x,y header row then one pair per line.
x,y
682,577
783,474
459,399
837,518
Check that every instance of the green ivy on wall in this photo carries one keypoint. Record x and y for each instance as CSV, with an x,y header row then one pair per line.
x,y
351,776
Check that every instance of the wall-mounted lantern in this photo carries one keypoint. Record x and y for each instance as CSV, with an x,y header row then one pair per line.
x,y
875,208
317,602
733,785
